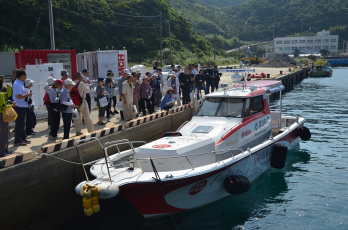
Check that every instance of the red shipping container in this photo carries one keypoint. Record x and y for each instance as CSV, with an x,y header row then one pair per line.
x,y
32,57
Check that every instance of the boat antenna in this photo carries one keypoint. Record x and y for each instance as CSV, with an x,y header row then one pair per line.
x,y
244,83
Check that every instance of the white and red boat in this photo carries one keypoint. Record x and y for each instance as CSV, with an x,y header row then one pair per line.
x,y
229,143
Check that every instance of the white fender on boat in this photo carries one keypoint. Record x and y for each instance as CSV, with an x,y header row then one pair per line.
x,y
106,190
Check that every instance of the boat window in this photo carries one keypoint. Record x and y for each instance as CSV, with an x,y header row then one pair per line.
x,y
222,107
253,105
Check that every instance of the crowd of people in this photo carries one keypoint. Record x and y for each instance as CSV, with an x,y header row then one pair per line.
x,y
133,94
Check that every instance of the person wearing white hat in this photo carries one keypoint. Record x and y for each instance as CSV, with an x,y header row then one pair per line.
x,y
145,95
65,99
127,98
174,83
126,72
50,82
31,117
168,100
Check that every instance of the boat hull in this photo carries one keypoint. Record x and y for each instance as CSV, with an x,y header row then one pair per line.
x,y
192,192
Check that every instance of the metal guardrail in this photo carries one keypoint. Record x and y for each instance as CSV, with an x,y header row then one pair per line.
x,y
106,156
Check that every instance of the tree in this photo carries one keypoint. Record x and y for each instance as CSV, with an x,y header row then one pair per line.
x,y
296,53
324,52
312,57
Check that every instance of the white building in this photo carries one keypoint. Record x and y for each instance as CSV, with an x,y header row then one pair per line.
x,y
310,44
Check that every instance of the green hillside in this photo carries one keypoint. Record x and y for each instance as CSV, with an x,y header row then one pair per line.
x,y
93,24
253,20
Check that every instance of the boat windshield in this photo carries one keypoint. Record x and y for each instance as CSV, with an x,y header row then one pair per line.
x,y
222,107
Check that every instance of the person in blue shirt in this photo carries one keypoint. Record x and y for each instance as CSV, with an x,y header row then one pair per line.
x,y
168,100
19,96
65,99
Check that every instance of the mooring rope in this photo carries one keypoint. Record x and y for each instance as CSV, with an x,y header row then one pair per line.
x,y
159,182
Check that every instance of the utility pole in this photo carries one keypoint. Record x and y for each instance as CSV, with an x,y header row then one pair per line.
x,y
302,26
273,47
161,38
53,47
170,42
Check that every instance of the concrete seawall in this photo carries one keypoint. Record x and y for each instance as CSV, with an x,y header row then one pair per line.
x,y
38,188
290,80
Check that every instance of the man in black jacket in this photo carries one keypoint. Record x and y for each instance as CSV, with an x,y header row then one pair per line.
x,y
209,78
184,81
216,77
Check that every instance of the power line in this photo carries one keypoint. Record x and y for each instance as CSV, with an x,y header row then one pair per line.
x,y
73,12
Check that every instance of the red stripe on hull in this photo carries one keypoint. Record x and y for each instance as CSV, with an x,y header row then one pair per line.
x,y
148,198
246,121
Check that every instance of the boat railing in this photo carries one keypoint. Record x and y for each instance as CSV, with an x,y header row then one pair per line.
x,y
229,131
105,147
182,125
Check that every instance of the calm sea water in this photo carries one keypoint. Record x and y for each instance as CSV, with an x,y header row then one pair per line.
x,y
309,193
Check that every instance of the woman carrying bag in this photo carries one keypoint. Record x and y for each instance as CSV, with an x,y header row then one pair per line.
x,y
5,94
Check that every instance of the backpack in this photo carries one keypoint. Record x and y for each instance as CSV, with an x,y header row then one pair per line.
x,y
75,95
46,98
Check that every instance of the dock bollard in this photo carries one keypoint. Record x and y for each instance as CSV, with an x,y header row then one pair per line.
x,y
281,72
268,75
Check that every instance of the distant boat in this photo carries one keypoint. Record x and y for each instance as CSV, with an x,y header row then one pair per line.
x,y
321,69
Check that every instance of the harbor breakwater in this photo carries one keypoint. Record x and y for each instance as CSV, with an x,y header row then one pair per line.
x,y
34,190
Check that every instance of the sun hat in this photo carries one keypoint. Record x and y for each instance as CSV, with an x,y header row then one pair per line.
x,y
126,71
50,80
170,89
143,77
108,80
64,72
28,81
68,82
59,82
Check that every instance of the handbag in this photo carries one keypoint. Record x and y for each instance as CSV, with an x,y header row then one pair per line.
x,y
75,115
61,107
119,106
135,109
103,102
9,114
